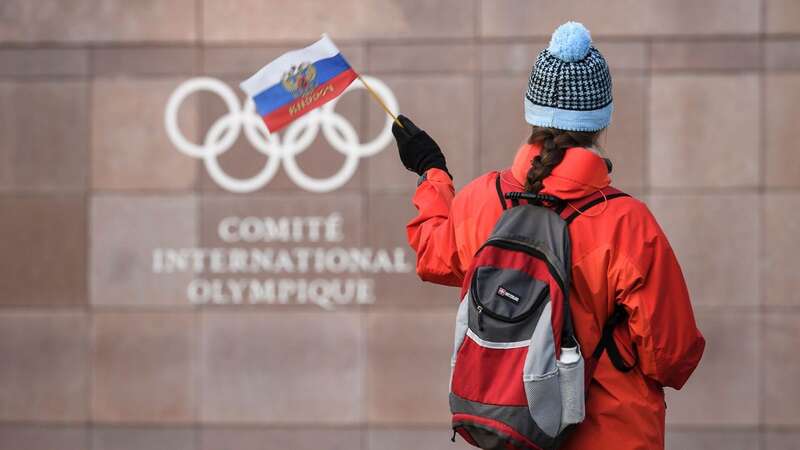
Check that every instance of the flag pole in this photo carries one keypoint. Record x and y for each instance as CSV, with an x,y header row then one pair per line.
x,y
379,100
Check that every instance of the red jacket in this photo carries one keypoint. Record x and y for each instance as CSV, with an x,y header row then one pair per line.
x,y
619,255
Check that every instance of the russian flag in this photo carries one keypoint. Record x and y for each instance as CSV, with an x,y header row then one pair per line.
x,y
297,82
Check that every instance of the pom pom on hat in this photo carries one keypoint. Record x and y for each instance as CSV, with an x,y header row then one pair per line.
x,y
570,42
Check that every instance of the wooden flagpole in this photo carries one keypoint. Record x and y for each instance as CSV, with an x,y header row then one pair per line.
x,y
379,100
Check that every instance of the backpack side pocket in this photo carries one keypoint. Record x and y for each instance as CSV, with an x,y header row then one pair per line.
x,y
544,401
540,377
570,380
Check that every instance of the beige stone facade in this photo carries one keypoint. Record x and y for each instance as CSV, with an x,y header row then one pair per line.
x,y
100,351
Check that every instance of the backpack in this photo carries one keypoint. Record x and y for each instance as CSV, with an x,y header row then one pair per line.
x,y
518,379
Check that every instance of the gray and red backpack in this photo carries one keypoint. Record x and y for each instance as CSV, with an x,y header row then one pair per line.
x,y
518,379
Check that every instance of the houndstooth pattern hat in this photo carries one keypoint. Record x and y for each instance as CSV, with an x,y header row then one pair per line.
x,y
570,85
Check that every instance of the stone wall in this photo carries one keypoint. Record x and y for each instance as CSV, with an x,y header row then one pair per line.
x,y
100,351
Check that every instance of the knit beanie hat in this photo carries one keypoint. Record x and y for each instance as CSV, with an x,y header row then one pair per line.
x,y
570,85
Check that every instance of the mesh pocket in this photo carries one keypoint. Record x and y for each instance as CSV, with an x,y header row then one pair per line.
x,y
570,381
544,402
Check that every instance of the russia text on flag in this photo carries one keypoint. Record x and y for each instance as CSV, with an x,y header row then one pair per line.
x,y
297,82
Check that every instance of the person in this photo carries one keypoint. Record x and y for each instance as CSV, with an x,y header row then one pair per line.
x,y
620,255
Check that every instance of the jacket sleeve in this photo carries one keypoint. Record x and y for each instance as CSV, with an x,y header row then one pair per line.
x,y
661,322
431,233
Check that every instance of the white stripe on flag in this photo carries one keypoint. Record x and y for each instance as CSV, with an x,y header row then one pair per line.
x,y
271,74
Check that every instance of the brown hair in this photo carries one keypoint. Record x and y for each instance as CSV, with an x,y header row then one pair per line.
x,y
554,144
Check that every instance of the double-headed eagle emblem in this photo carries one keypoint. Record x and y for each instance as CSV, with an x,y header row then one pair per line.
x,y
299,80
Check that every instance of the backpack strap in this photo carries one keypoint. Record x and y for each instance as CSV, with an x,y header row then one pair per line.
x,y
500,192
620,315
575,208
607,342
516,197
570,211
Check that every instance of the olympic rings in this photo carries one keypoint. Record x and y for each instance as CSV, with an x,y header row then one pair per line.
x,y
297,137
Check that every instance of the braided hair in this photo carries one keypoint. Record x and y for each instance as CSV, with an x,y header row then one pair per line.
x,y
554,144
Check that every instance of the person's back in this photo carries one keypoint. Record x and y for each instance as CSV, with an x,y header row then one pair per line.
x,y
620,256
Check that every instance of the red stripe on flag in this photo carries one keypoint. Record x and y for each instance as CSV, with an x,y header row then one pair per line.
x,y
322,94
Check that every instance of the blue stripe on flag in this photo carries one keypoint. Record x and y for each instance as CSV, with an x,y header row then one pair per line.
x,y
277,96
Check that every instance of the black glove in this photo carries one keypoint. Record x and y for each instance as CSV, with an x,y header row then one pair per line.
x,y
418,151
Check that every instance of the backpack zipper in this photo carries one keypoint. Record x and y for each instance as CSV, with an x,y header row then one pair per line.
x,y
511,244
482,310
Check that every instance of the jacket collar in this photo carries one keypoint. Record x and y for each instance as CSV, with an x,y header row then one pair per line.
x,y
581,172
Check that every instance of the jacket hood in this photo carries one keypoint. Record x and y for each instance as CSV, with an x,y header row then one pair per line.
x,y
581,172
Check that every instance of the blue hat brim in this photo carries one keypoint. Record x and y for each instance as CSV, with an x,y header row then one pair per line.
x,y
567,119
